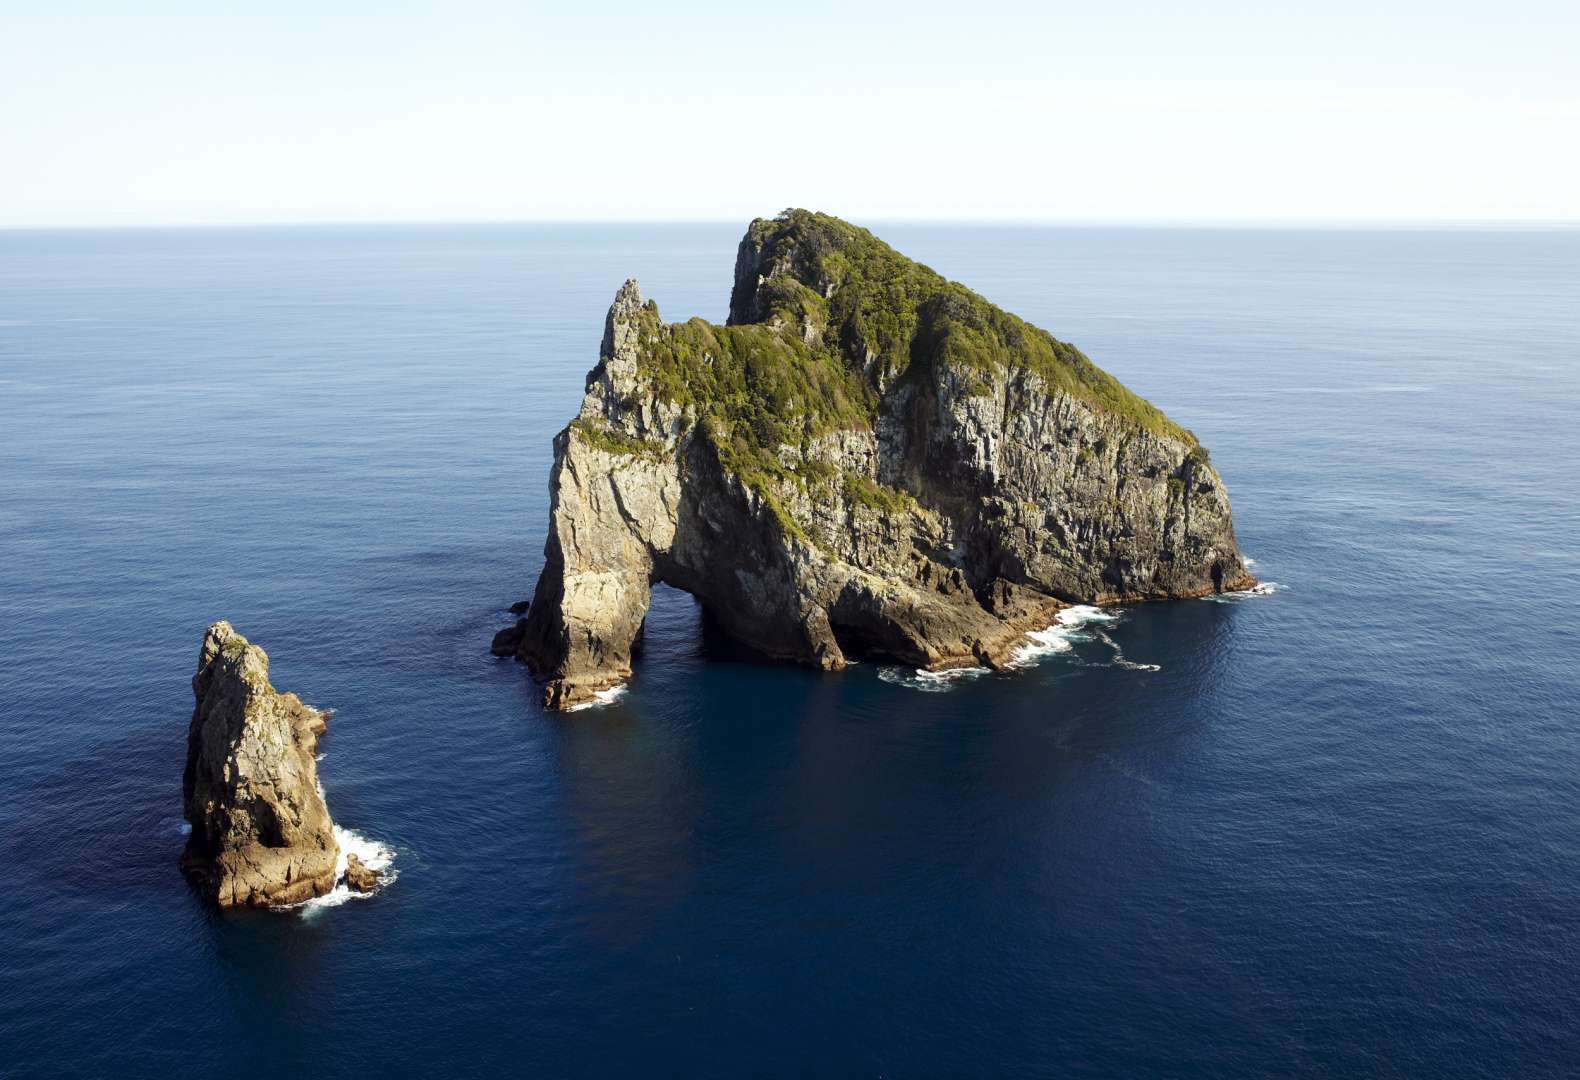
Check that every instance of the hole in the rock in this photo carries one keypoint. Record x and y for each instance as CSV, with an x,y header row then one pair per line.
x,y
718,644
673,628
859,643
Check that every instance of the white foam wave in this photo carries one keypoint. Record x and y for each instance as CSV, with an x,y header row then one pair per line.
x,y
373,855
1079,622
602,697
1119,656
1041,643
932,682
1060,637
1264,588
1078,615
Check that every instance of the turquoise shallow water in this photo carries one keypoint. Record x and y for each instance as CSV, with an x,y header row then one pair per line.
x,y
1334,833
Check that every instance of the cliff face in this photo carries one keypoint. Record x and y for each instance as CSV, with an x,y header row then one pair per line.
x,y
867,459
261,834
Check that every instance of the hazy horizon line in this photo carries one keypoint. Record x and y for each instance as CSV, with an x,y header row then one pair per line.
x,y
1315,224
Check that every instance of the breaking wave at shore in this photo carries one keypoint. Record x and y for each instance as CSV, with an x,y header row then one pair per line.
x,y
932,682
1263,588
1080,622
374,855
600,698
1068,627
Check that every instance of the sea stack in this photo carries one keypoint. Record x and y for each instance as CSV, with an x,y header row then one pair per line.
x,y
867,459
261,834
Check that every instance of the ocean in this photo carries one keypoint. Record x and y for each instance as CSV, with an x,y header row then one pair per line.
x,y
1332,830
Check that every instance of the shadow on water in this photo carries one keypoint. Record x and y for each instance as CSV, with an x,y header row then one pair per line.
x,y
730,761
743,831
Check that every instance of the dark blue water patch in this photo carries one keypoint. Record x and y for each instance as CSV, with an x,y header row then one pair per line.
x,y
1332,833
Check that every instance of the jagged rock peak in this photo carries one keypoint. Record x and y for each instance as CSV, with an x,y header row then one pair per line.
x,y
261,834
866,459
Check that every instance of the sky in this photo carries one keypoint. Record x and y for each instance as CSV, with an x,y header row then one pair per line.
x,y
122,113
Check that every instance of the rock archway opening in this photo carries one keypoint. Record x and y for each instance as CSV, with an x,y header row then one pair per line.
x,y
858,642
673,629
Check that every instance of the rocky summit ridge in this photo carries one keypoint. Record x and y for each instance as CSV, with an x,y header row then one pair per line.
x,y
867,459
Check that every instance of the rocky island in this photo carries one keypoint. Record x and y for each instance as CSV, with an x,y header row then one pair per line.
x,y
866,459
261,833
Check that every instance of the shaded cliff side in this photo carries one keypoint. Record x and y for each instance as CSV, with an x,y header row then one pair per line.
x,y
867,459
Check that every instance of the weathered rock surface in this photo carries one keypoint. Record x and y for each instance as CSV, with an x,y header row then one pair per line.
x,y
868,459
359,876
508,640
261,834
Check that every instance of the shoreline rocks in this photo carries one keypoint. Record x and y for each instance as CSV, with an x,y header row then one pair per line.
x,y
359,876
508,640
261,831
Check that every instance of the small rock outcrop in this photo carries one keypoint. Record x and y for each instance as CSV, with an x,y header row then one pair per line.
x,y
508,640
261,834
868,459
359,876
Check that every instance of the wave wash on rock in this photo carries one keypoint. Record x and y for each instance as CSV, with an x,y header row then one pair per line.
x,y
867,459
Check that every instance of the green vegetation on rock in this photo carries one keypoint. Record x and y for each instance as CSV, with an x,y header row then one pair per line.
x,y
612,440
762,389
836,317
865,299
745,464
881,497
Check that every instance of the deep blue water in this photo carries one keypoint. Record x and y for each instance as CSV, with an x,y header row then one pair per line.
x,y
1337,833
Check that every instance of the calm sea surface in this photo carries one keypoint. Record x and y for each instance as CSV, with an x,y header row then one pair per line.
x,y
1335,832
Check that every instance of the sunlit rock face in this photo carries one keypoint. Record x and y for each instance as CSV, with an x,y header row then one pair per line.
x,y
867,459
261,834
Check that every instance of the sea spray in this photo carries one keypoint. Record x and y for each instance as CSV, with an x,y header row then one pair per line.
x,y
1264,588
1119,655
373,855
1060,637
602,697
932,682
